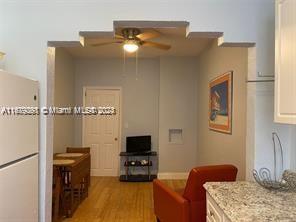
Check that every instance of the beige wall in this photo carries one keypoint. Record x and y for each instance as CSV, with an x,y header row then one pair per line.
x,y
63,97
163,97
177,110
168,93
140,93
240,20
214,147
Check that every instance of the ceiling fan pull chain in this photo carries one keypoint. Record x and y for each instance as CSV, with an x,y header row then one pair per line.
x,y
123,68
136,65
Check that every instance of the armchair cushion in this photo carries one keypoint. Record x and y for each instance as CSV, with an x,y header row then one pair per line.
x,y
169,206
195,192
189,205
198,176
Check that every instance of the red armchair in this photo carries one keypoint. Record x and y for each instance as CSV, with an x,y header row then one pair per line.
x,y
189,205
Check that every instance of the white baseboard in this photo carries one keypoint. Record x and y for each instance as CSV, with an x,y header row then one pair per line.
x,y
172,176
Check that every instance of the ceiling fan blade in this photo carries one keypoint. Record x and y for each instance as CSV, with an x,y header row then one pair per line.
x,y
106,43
156,45
147,35
119,36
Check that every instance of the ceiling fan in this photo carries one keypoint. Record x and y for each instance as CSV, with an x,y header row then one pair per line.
x,y
2,54
133,38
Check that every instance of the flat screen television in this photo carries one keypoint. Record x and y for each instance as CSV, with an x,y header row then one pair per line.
x,y
138,144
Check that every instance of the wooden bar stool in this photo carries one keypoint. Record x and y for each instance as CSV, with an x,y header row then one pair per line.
x,y
78,149
87,166
56,194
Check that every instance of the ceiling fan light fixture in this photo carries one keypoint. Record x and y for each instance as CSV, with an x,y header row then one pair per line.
x,y
2,54
130,46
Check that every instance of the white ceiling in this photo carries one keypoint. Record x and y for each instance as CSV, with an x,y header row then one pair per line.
x,y
176,37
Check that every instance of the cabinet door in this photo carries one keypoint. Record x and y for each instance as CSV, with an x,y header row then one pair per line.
x,y
214,213
285,63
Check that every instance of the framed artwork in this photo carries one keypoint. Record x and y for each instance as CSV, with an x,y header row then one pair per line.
x,y
220,104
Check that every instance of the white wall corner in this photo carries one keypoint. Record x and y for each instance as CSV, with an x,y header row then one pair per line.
x,y
250,132
251,114
172,176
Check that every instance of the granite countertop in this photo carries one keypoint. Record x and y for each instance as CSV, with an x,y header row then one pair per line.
x,y
248,201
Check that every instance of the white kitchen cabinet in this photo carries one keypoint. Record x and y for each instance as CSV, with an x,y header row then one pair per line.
x,y
214,212
285,62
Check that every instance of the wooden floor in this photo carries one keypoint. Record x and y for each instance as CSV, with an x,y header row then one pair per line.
x,y
113,201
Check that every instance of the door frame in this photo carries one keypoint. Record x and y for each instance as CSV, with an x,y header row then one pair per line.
x,y
118,88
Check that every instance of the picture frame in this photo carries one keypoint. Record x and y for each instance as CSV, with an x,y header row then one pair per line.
x,y
221,102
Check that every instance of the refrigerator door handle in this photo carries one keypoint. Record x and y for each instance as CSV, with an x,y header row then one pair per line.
x,y
16,161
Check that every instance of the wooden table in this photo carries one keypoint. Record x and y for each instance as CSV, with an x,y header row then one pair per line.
x,y
75,174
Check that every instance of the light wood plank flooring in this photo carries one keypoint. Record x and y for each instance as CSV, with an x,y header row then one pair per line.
x,y
113,201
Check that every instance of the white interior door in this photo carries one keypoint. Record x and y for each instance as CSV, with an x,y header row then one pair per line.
x,y
101,132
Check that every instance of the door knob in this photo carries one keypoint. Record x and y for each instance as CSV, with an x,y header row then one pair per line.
x,y
115,139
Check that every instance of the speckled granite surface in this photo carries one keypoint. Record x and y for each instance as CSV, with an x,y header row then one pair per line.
x,y
290,176
247,201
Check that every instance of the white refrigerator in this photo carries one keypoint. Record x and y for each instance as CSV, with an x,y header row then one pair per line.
x,y
18,150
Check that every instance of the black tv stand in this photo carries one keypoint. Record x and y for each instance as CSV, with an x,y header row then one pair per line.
x,y
127,177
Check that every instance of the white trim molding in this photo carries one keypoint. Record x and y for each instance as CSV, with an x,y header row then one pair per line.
x,y
172,176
